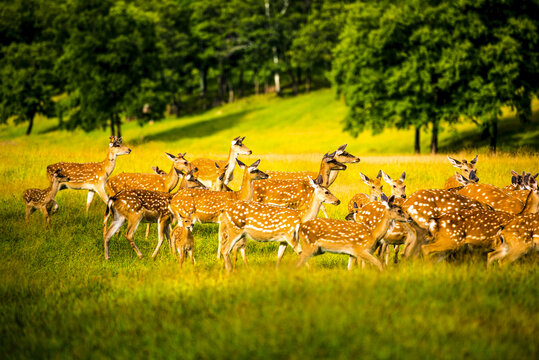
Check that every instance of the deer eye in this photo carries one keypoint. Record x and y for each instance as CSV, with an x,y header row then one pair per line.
x,y
326,192
394,186
373,186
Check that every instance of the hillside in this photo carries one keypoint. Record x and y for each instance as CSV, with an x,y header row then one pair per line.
x,y
303,124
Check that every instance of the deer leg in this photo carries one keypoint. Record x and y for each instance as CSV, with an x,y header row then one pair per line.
x,y
103,194
147,231
46,217
29,209
89,199
114,227
368,257
396,249
230,238
130,235
235,251
242,251
280,253
181,253
171,243
161,230
351,262
191,256
54,207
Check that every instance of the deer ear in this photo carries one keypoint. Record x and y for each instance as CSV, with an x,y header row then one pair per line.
x,y
255,164
379,174
514,173
319,180
474,160
364,178
403,176
216,165
535,176
473,177
243,138
170,156
386,177
384,200
461,179
332,155
312,182
514,180
391,200
355,205
454,162
349,217
533,184
342,147
240,163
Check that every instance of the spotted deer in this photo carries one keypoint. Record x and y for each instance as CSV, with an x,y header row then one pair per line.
x,y
182,238
208,205
208,173
44,199
263,222
319,236
294,194
518,238
91,176
464,166
341,155
219,184
136,206
478,228
493,196
375,191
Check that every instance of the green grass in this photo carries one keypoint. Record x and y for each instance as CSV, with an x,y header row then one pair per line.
x,y
59,298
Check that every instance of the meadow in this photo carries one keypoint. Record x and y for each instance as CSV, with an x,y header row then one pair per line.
x,y
60,298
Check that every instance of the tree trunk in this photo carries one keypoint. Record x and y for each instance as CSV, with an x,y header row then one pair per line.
x,y
112,132
493,133
293,79
118,125
30,123
257,86
203,82
307,81
417,142
434,139
240,85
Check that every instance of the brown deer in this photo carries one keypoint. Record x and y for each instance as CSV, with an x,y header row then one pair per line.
x,y
91,176
263,222
294,194
465,167
158,171
375,191
208,173
44,200
208,205
341,155
493,196
518,238
136,206
182,238
357,240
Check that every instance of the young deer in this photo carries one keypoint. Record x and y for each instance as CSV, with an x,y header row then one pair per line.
x,y
294,194
344,237
44,200
375,191
91,176
208,205
136,206
182,238
465,167
340,155
208,174
219,184
263,222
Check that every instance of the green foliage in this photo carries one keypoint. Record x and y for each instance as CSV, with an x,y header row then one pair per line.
x,y
111,52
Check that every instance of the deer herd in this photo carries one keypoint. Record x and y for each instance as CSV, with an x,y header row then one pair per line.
x,y
283,207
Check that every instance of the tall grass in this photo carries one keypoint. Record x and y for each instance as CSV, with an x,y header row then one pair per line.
x,y
60,298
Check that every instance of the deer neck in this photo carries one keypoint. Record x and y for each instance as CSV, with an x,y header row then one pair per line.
x,y
332,177
311,210
372,195
172,178
325,173
231,161
53,189
382,227
531,206
109,163
246,190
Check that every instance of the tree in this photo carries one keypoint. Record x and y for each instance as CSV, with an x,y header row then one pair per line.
x,y
111,62
27,55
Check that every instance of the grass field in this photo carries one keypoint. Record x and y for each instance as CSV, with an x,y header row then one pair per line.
x,y
59,298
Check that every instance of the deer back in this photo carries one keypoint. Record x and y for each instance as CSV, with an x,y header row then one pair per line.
x,y
150,205
79,173
263,218
126,181
492,196
293,194
335,234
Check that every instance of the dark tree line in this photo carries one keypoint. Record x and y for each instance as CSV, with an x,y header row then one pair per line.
x,y
414,63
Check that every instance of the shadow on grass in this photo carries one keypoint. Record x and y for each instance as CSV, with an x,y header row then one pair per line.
x,y
512,134
197,129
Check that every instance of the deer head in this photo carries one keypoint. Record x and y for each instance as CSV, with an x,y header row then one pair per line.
x,y
237,147
344,157
464,166
375,185
117,148
395,212
397,186
323,194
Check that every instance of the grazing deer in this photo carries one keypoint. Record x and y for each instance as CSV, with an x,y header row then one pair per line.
x,y
91,176
263,222
344,237
44,200
375,191
518,238
136,206
182,238
208,173
294,194
339,155
464,166
208,205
